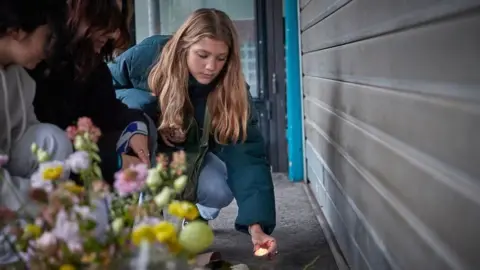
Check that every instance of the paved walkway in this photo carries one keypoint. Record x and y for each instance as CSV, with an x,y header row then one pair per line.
x,y
300,238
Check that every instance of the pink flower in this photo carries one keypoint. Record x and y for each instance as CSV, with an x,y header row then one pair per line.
x,y
85,124
3,160
72,132
131,180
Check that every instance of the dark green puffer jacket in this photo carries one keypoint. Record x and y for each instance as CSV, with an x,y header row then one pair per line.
x,y
249,175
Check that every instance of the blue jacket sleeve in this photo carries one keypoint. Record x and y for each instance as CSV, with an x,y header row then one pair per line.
x,y
120,70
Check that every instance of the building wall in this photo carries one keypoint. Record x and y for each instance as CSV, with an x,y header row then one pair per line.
x,y
392,124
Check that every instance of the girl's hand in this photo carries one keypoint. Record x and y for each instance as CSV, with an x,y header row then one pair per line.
x,y
263,244
172,136
139,145
166,140
128,161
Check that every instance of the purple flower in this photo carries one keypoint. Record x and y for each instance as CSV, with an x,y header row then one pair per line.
x,y
131,180
46,241
67,229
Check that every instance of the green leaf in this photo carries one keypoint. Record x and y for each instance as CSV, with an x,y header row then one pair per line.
x,y
94,147
90,225
94,156
92,245
97,171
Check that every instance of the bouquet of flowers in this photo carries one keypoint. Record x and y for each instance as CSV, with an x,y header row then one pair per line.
x,y
83,224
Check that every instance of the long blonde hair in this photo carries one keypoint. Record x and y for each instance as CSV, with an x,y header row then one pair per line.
x,y
227,104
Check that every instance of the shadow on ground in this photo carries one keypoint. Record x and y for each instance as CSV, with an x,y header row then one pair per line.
x,y
300,238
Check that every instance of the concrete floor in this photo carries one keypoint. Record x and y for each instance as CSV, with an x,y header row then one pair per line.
x,y
298,233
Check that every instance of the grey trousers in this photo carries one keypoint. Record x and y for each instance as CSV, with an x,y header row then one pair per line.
x,y
15,178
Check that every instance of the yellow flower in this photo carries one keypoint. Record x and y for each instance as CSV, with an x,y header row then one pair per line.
x,y
164,231
174,247
88,258
33,230
184,209
51,171
73,188
67,267
143,232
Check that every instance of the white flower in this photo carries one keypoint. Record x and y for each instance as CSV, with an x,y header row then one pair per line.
x,y
50,168
46,240
79,143
75,246
153,178
84,211
37,181
163,198
34,148
180,183
117,225
78,161
47,173
42,156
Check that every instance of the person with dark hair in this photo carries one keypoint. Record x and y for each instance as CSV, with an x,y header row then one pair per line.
x,y
25,40
81,85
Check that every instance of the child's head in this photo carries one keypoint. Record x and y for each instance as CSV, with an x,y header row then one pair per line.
x,y
203,45
96,29
26,30
206,47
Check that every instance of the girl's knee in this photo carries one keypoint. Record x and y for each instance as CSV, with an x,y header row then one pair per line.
x,y
215,196
52,139
48,137
213,190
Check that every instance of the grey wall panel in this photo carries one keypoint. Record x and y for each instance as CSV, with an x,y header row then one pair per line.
x,y
363,19
421,202
392,113
417,124
304,3
318,10
436,59
353,234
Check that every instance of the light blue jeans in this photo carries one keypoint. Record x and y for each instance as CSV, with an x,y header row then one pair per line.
x,y
213,192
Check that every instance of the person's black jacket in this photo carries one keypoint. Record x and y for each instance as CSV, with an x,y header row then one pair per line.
x,y
61,99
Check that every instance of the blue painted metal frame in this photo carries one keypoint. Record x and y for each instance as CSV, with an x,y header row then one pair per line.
x,y
294,93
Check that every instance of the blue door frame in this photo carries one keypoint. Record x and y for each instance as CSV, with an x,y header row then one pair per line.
x,y
295,131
